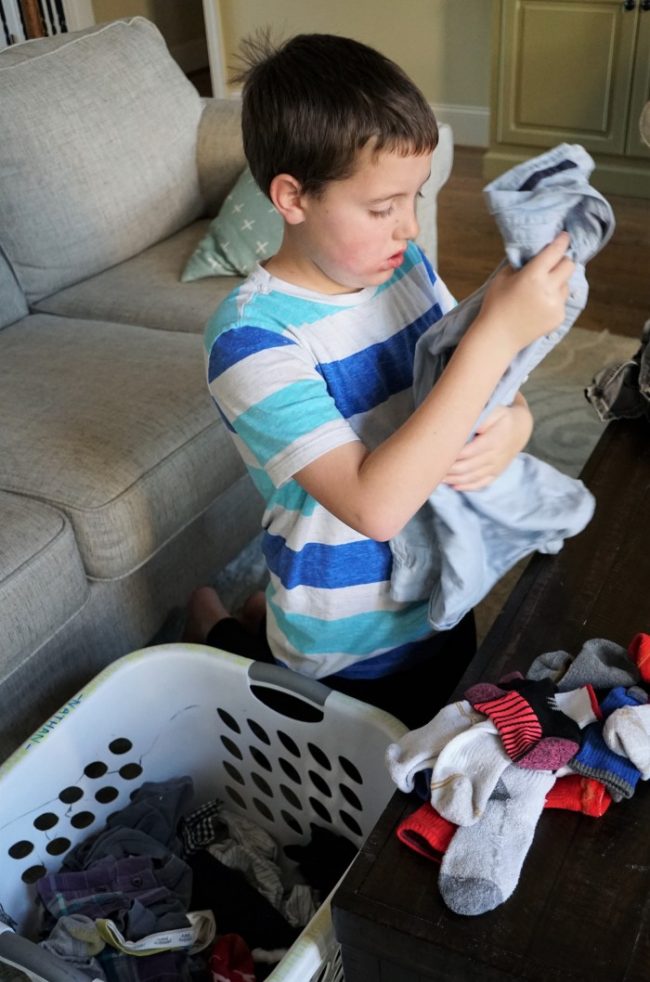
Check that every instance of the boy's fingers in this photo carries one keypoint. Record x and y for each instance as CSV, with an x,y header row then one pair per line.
x,y
553,253
564,270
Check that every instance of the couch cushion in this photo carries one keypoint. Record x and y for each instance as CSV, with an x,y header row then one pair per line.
x,y
13,305
247,230
147,290
98,152
36,544
113,424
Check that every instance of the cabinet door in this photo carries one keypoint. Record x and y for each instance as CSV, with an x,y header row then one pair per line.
x,y
566,72
640,88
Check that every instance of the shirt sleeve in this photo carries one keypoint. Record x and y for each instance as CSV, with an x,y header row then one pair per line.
x,y
274,400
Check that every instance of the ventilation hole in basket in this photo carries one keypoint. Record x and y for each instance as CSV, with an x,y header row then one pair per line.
x,y
106,795
259,732
45,821
319,756
263,785
291,796
350,770
232,747
233,772
130,771
263,809
289,770
291,822
289,744
288,705
350,797
236,797
33,874
20,849
58,846
260,758
120,745
231,723
69,795
96,769
323,974
351,823
320,784
320,809
82,820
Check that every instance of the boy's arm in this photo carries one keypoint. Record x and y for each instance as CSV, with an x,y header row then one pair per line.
x,y
496,443
377,492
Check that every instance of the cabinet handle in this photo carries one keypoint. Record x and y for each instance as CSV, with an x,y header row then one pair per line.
x,y
645,4
629,5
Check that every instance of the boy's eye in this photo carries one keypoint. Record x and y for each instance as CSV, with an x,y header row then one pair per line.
x,y
383,214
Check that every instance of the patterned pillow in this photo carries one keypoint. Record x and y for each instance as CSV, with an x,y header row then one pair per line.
x,y
246,231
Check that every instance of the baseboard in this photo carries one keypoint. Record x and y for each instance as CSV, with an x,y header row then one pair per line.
x,y
471,124
191,55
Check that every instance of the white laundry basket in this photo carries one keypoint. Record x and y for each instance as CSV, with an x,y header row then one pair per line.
x,y
282,749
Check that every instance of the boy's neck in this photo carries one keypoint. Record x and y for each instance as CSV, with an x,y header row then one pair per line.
x,y
291,266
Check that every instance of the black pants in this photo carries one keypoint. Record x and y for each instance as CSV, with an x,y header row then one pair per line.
x,y
414,696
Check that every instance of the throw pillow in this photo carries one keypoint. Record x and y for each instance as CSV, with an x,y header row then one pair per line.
x,y
246,231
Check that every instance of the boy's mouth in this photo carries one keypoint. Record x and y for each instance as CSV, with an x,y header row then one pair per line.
x,y
396,260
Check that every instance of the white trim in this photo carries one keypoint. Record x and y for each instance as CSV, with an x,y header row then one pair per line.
x,y
79,14
14,24
191,55
214,36
471,124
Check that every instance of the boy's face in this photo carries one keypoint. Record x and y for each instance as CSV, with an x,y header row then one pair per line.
x,y
355,233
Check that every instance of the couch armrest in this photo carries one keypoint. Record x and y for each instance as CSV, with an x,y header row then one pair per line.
x,y
220,154
442,160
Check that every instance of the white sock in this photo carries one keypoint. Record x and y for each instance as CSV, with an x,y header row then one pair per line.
x,y
466,772
483,862
417,750
627,732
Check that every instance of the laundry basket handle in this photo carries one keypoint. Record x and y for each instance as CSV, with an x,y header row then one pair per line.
x,y
287,692
35,961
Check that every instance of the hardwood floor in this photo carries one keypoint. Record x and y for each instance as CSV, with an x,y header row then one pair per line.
x,y
470,246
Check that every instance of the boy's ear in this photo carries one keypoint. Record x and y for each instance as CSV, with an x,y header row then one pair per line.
x,y
286,194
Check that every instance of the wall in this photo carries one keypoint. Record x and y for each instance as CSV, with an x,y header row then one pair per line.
x,y
180,23
444,45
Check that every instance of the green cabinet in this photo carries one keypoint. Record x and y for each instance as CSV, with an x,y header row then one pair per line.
x,y
572,71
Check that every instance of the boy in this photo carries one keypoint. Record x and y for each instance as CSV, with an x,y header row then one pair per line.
x,y
310,362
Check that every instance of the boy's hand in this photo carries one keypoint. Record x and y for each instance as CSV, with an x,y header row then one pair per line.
x,y
498,440
525,304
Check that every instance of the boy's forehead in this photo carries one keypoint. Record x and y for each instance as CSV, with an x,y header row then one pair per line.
x,y
385,167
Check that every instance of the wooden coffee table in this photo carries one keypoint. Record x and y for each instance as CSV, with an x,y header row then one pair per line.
x,y
581,910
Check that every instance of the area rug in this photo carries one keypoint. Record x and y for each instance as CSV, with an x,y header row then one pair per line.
x,y
566,431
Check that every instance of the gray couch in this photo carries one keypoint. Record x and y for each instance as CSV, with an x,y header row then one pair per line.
x,y
120,490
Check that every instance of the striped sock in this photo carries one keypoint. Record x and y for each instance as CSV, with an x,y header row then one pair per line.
x,y
536,734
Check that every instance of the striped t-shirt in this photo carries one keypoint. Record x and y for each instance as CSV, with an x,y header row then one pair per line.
x,y
295,374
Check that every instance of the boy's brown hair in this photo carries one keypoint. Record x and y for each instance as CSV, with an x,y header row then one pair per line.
x,y
310,104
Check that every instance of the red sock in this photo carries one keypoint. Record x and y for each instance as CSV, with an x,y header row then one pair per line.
x,y
429,834
579,794
426,832
639,650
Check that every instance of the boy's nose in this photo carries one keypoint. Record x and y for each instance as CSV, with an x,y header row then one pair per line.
x,y
409,226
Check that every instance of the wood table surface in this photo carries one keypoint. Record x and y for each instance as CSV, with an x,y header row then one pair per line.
x,y
581,909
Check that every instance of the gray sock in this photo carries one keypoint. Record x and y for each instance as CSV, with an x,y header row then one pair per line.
x,y
483,862
601,663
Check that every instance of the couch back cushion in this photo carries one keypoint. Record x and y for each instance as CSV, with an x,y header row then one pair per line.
x,y
98,152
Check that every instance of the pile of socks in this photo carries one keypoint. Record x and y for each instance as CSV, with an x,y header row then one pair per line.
x,y
573,734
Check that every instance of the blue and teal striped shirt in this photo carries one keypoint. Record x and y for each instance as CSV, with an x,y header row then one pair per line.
x,y
295,374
